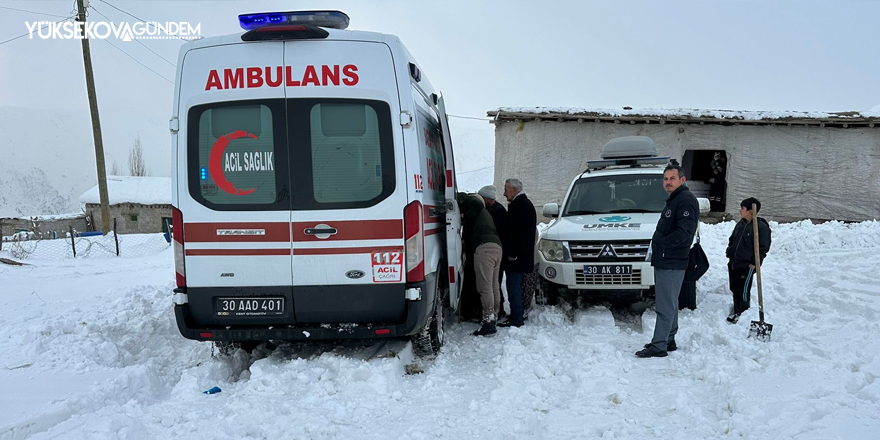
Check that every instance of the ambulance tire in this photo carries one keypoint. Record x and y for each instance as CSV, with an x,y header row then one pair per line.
x,y
427,342
227,348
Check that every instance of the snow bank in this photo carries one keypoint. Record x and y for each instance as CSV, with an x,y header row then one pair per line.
x,y
91,351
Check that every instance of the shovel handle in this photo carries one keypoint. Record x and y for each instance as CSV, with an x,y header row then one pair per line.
x,y
758,260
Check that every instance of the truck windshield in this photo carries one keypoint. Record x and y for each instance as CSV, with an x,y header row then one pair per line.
x,y
617,193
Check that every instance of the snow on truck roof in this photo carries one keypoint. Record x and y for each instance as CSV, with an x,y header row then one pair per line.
x,y
682,115
128,189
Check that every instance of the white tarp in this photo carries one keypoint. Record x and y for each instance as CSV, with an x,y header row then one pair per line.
x,y
796,171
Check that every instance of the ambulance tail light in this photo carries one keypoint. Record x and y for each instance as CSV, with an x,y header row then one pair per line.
x,y
325,19
414,233
178,242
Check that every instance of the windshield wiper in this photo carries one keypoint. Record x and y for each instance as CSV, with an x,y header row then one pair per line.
x,y
636,210
582,212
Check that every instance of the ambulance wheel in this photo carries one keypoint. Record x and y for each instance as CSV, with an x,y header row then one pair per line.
x,y
227,348
427,342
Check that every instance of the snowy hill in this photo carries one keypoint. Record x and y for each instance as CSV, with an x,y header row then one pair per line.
x,y
47,157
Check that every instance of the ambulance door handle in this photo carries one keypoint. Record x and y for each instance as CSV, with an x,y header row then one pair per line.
x,y
322,231
436,212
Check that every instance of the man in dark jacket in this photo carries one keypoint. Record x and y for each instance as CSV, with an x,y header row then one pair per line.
x,y
481,241
499,217
741,255
670,249
519,246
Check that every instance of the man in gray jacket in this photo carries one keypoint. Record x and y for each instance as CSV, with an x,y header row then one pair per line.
x,y
670,250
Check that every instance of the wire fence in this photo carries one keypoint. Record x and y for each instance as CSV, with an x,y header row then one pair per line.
x,y
89,246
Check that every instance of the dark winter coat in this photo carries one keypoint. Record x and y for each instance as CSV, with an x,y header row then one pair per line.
x,y
478,225
671,244
499,217
519,235
741,246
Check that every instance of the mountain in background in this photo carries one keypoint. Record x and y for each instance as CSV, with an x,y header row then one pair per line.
x,y
47,157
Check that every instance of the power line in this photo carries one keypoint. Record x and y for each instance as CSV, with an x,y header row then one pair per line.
x,y
28,33
140,19
32,12
138,41
135,60
468,117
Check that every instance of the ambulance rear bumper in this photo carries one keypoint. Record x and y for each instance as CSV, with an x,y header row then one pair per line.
x,y
413,319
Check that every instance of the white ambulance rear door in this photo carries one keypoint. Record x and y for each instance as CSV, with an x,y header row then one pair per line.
x,y
348,192
233,185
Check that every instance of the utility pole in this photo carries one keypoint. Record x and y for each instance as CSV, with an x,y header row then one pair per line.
x,y
96,121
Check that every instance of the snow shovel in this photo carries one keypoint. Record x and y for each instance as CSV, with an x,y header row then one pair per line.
x,y
759,329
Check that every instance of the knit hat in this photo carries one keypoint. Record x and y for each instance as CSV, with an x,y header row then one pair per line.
x,y
487,191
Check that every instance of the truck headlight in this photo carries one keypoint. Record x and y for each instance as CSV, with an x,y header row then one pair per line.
x,y
552,250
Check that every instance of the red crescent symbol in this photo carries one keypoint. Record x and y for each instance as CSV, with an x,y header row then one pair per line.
x,y
215,162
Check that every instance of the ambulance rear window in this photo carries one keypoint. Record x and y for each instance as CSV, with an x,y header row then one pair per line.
x,y
346,155
236,155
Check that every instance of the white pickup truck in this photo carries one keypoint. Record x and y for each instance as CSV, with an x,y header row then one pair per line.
x,y
597,246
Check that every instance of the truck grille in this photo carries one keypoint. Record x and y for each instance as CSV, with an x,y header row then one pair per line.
x,y
608,280
627,250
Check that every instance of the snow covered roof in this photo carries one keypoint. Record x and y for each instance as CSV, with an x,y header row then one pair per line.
x,y
127,189
630,115
49,217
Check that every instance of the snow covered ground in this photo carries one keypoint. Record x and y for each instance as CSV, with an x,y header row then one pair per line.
x,y
92,351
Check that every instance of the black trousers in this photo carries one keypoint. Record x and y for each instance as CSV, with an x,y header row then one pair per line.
x,y
740,287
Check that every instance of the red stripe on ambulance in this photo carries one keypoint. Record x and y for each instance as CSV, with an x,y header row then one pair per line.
x,y
236,232
351,230
255,77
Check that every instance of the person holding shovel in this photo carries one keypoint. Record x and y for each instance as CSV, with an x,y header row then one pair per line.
x,y
741,255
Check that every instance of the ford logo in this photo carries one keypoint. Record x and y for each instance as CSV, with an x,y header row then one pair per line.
x,y
354,274
615,219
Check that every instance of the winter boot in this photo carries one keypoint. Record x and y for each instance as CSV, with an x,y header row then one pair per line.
x,y
651,351
488,329
733,318
670,345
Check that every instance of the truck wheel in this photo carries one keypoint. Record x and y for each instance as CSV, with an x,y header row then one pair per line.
x,y
427,342
548,293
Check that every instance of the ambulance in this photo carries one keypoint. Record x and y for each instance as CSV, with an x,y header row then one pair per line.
x,y
313,187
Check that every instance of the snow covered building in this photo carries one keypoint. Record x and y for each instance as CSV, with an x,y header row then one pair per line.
x,y
140,205
814,165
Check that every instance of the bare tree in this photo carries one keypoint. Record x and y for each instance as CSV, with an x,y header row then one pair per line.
x,y
136,164
114,171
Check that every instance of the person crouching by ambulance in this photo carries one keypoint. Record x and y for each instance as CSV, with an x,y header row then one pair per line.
x,y
481,242
741,255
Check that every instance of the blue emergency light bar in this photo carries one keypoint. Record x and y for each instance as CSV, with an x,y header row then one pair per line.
x,y
326,19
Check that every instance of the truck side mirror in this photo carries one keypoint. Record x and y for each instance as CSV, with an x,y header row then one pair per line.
x,y
704,205
552,209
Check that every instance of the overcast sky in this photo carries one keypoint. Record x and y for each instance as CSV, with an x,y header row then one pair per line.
x,y
750,55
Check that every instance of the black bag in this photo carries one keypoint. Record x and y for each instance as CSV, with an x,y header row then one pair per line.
x,y
698,264
687,297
